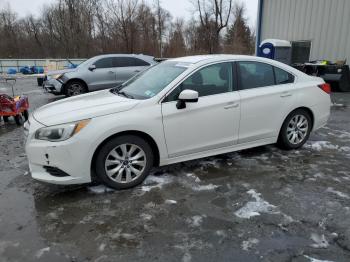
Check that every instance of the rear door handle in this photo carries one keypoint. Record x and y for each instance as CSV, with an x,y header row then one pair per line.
x,y
232,105
137,71
286,94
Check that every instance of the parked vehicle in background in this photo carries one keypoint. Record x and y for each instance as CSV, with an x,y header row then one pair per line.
x,y
99,72
178,110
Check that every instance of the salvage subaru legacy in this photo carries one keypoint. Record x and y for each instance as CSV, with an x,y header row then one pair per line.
x,y
178,110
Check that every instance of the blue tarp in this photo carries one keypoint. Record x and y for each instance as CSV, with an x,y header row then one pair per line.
x,y
29,70
11,71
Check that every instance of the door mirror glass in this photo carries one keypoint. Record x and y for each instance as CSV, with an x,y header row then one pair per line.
x,y
92,67
187,96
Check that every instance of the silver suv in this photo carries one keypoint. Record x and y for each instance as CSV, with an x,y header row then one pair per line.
x,y
99,72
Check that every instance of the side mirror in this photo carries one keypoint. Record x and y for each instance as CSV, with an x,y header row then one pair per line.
x,y
186,96
92,67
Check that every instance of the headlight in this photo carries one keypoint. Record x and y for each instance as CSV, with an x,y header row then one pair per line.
x,y
57,76
60,132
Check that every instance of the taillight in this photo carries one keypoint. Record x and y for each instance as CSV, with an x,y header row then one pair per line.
x,y
326,88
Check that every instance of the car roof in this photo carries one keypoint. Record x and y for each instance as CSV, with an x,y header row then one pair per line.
x,y
142,56
212,58
199,60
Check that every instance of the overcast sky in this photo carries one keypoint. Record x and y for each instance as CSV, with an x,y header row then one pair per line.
x,y
178,8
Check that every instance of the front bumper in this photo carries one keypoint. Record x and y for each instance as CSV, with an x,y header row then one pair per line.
x,y
70,157
52,86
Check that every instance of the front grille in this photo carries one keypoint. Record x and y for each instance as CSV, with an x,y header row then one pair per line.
x,y
54,171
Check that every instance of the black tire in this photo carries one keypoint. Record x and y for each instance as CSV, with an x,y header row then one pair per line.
x,y
111,145
283,141
75,88
19,120
6,119
26,115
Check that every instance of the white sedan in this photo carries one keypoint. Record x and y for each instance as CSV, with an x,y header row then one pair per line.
x,y
179,110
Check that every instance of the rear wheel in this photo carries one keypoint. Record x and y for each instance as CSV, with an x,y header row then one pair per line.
x,y
6,119
295,130
124,162
19,120
75,88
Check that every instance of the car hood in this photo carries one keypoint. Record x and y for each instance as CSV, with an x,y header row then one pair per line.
x,y
83,107
63,71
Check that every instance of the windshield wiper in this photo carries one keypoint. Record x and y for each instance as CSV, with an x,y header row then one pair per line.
x,y
116,89
124,94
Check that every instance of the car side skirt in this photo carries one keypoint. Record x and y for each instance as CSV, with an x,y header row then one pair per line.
x,y
218,151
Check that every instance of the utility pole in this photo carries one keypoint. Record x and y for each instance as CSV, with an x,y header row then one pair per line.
x,y
160,29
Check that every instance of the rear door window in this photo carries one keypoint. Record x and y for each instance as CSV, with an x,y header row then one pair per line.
x,y
128,62
123,62
283,77
255,74
140,62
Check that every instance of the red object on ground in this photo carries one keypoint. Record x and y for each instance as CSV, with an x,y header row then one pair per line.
x,y
14,106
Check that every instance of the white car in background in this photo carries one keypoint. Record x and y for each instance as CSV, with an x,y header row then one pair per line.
x,y
178,110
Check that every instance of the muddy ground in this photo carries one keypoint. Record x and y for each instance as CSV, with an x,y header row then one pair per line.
x,y
262,204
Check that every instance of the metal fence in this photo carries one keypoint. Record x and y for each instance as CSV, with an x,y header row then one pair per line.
x,y
47,64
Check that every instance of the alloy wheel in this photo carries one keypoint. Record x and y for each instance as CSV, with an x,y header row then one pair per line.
x,y
125,163
297,129
75,89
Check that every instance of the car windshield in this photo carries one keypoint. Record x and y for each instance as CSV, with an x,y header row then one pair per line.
x,y
152,81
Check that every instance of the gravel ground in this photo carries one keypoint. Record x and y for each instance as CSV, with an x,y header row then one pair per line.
x,y
262,204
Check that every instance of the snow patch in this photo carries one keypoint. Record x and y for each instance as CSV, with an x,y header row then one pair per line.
x,y
338,193
320,241
254,208
41,252
320,145
102,247
152,182
316,260
100,189
220,233
195,221
125,236
248,244
204,187
146,216
170,202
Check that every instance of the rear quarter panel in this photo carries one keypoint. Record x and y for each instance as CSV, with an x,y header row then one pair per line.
x,y
309,95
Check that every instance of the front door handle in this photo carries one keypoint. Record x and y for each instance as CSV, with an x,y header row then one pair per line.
x,y
232,105
137,71
110,72
286,94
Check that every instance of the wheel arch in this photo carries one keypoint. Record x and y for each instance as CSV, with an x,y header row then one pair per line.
x,y
141,134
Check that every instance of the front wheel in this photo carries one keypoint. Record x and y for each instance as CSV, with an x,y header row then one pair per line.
x,y
124,162
295,130
75,88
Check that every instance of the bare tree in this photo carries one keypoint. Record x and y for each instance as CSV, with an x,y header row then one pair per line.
x,y
214,16
83,28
